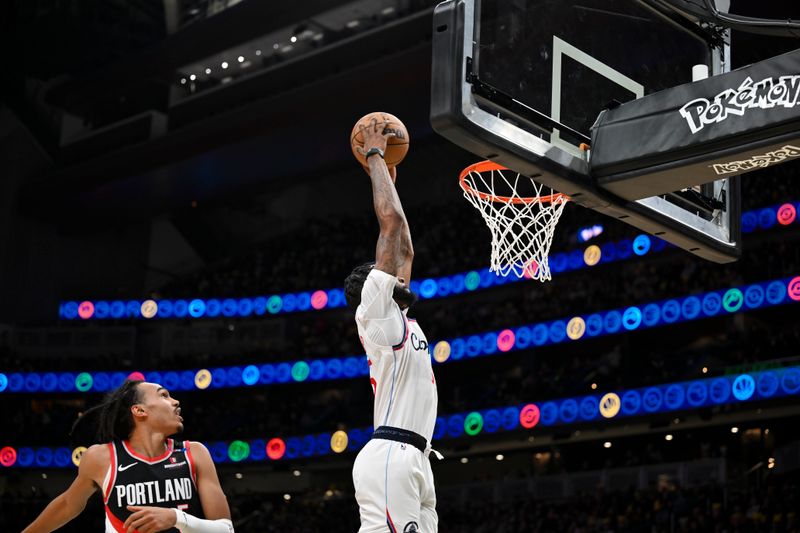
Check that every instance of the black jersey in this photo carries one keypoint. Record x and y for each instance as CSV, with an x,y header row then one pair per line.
x,y
169,480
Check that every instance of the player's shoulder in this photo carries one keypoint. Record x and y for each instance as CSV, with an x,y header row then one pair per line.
x,y
96,457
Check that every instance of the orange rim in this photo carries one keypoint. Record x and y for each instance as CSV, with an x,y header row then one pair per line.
x,y
488,166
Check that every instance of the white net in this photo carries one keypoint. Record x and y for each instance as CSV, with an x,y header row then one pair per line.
x,y
521,215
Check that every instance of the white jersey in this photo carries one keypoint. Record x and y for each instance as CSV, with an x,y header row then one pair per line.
x,y
400,367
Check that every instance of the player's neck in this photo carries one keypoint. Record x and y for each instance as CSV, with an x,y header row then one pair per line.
x,y
148,443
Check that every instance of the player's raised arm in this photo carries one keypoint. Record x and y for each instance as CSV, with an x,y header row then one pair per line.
x,y
72,501
394,252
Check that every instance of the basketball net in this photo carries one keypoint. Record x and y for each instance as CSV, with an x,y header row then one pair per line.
x,y
521,215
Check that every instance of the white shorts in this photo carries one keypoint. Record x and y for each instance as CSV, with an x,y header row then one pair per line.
x,y
394,489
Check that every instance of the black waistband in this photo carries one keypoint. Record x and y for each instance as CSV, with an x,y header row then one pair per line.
x,y
401,435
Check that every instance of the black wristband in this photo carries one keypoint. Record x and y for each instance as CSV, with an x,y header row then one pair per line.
x,y
373,151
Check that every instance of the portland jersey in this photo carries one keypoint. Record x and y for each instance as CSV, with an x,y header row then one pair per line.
x,y
400,367
169,480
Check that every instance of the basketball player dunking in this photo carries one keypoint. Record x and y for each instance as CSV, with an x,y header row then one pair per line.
x,y
148,481
392,473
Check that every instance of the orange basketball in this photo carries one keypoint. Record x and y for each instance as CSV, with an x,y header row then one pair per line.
x,y
396,145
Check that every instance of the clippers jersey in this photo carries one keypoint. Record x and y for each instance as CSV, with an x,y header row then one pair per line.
x,y
401,375
169,480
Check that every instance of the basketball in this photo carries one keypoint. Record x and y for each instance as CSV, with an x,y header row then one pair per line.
x,y
396,146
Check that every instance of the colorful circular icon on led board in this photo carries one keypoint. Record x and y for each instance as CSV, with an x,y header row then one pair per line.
x,y
592,255
609,405
576,327
339,441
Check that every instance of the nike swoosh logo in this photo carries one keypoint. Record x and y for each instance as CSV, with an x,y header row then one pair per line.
x,y
124,468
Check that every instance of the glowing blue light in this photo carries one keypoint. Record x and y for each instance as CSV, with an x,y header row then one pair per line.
x,y
250,375
767,384
767,217
443,288
652,399
608,252
594,325
712,304
670,311
213,309
457,283
548,413
641,244
289,302
117,309
674,396
351,367
101,309
283,372
455,425
44,457
333,368
720,390
62,457
491,420
274,304
509,418
66,382
3,382
187,379
219,379
696,393
219,452
316,370
267,373
258,450
776,292
25,456
790,382
522,339
489,343
651,314
754,296
133,309
590,408
631,318
612,321
228,307
70,310
540,334
173,379
303,301
323,445
165,309
197,308
16,382
690,308
117,379
474,345
440,428
259,305
101,381
155,376
568,410
743,387
33,382
457,349
488,278
293,446
49,382
749,222
557,331
624,249
630,402
575,259
307,445
559,262
354,438
180,308
427,288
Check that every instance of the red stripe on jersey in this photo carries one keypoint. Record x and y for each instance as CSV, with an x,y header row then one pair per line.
x,y
190,460
112,477
390,523
116,523
150,460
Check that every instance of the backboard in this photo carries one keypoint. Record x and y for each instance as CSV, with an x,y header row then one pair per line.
x,y
521,82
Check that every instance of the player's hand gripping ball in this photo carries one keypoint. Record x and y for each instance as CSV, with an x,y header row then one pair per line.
x,y
396,143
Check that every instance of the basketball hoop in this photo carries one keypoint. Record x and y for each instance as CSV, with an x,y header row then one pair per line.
x,y
521,215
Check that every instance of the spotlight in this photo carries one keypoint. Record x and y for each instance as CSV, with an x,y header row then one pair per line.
x,y
239,475
594,386
224,64
258,52
499,457
183,81
734,429
287,497
208,71
607,444
240,59
667,437
192,77
294,38
705,370
296,473
276,46
464,460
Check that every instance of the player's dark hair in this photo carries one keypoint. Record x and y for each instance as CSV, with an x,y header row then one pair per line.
x,y
112,419
354,283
